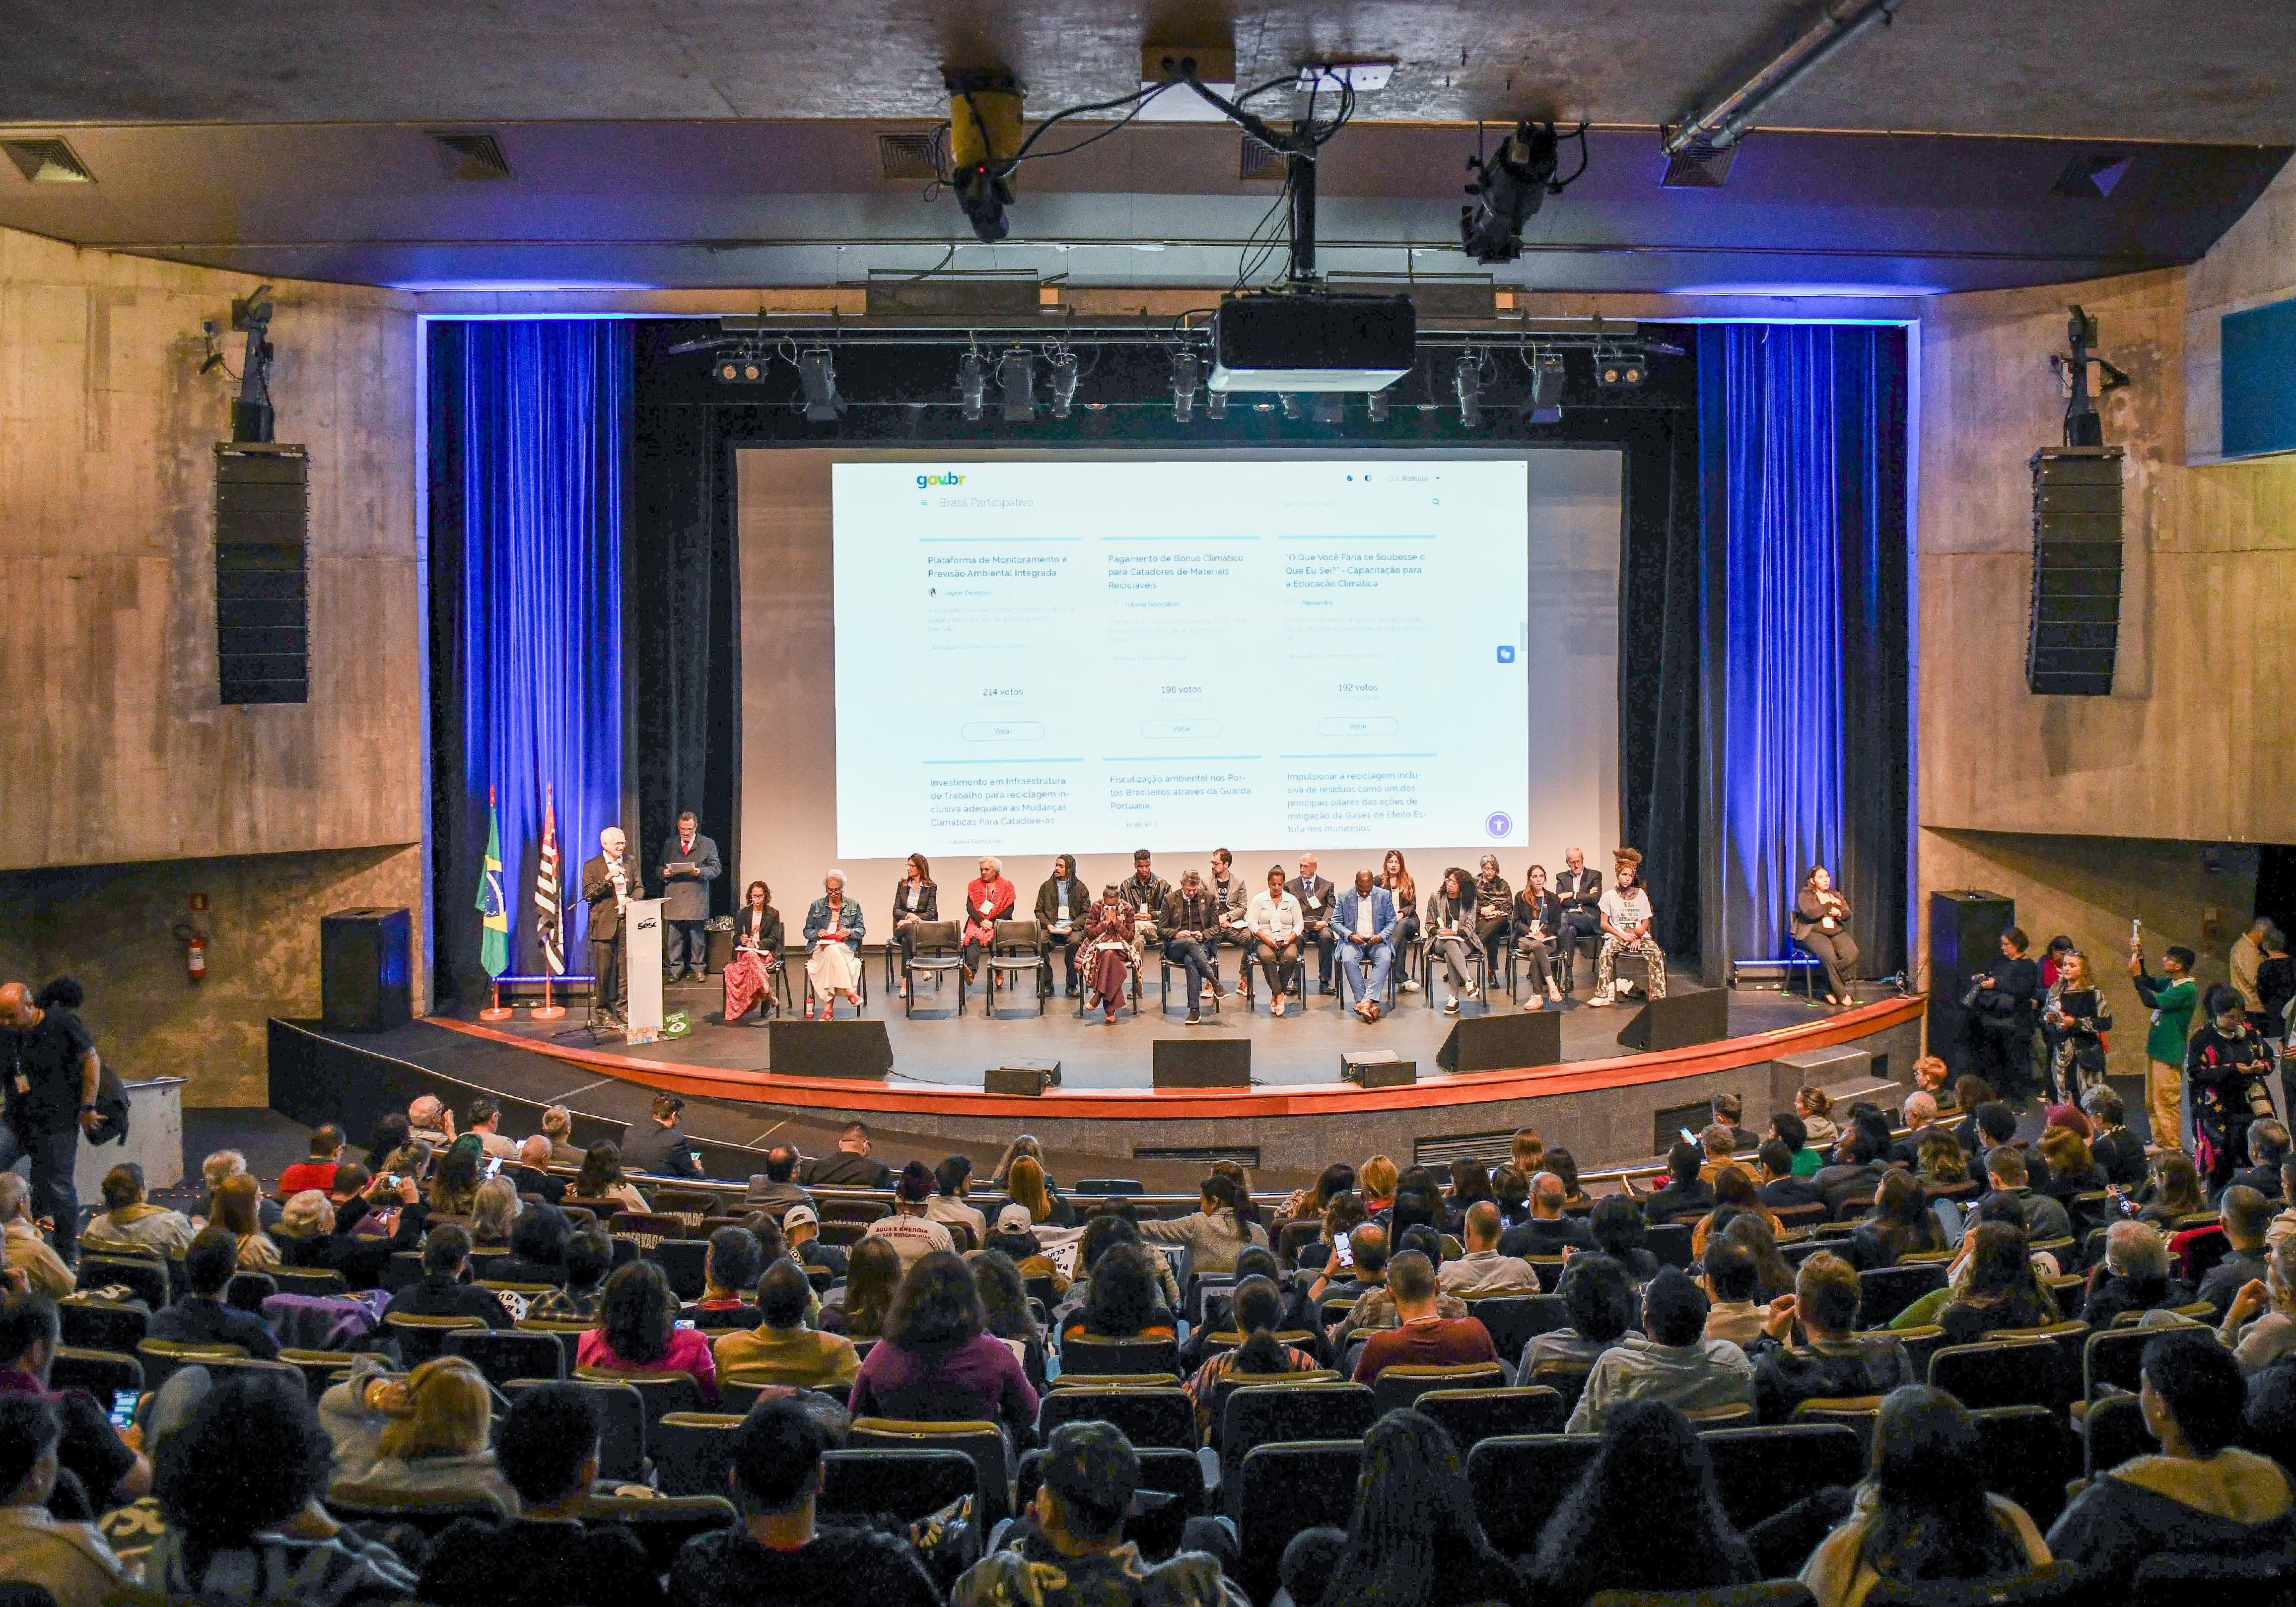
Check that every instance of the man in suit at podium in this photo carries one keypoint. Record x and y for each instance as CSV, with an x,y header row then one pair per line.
x,y
689,865
610,880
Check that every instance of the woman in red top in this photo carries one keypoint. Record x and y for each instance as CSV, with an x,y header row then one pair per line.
x,y
988,899
637,1332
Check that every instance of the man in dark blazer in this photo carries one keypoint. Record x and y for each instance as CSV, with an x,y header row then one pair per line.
x,y
609,879
685,899
1314,895
1580,891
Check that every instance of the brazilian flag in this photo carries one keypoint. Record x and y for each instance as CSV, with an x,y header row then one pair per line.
x,y
494,915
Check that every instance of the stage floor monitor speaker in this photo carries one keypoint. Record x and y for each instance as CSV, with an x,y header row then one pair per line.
x,y
846,1049
1698,1016
1503,1043
366,981
1194,1063
1378,1069
1025,1078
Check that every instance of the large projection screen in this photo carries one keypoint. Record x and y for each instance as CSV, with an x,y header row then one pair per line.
x,y
1021,654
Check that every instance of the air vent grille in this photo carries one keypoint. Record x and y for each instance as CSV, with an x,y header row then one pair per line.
x,y
1256,161
1246,1156
911,158
471,156
1492,1149
48,161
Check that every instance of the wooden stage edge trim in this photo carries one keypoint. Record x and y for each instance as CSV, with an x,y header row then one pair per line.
x,y
844,1095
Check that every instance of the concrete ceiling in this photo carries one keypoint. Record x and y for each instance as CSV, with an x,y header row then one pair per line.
x,y
2189,70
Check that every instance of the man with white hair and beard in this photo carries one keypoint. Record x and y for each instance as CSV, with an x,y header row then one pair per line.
x,y
609,882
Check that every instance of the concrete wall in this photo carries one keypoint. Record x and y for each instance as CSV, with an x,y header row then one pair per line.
x,y
118,752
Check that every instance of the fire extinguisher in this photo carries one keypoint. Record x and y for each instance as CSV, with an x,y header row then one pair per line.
x,y
195,958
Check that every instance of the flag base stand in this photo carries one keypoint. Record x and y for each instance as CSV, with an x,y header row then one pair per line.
x,y
546,1010
497,1011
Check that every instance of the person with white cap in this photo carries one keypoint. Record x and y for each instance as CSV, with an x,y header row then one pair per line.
x,y
802,1226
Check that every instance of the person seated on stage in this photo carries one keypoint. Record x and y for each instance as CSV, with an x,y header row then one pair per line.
x,y
1538,928
1451,933
1549,1232
1627,918
1144,893
657,1147
1821,925
1062,905
756,954
1314,895
1276,927
1580,891
915,901
128,1221
1110,950
988,899
1190,923
833,930
1231,894
1486,1268
1494,909
1365,920
1395,876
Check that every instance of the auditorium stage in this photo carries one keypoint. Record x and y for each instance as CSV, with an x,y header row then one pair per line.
x,y
1602,1100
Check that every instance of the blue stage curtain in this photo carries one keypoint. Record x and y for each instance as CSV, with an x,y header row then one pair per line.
x,y
544,408
1806,539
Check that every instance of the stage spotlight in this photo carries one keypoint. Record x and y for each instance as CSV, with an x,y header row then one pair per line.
x,y
1215,404
1620,370
1508,190
1185,378
1016,377
1547,388
1331,408
819,370
1467,379
1063,376
1375,406
972,383
1290,402
984,135
741,367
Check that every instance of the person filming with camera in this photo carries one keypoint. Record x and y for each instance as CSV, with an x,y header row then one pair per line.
x,y
2228,1066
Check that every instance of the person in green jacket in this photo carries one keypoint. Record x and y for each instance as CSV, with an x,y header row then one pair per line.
x,y
2172,998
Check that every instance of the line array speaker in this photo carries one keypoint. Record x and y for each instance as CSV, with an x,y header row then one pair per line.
x,y
263,519
2076,619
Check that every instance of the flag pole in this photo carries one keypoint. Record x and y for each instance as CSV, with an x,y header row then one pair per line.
x,y
549,1010
495,1010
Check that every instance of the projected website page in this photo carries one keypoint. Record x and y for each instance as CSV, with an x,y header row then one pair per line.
x,y
1087,656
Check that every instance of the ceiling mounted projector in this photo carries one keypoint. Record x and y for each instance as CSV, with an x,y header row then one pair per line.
x,y
1312,341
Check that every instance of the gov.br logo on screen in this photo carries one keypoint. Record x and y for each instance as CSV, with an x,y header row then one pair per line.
x,y
1498,825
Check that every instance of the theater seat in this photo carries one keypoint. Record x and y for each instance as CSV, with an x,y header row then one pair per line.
x,y
908,1482
1085,1356
622,1449
1283,1488
1264,1414
1519,1481
984,1442
506,1355
1148,1417
102,1374
1997,1372
1767,1593
1470,1415
90,1324
1514,1320
1399,1386
2051,1584
1764,1471
663,1524
2182,1578
2028,1456
419,1339
692,1452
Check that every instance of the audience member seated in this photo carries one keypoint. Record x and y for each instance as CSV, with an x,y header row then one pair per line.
x,y
433,1437
589,1258
1364,1269
1854,1170
1735,1195
1994,1286
2044,1218
2247,1222
2133,1275
912,1233
857,1310
238,1486
442,1290
850,1165
1068,1549
1009,1317
1732,1280
68,1560
1600,1299
777,1553
1781,1189
1564,1165
1258,1308
658,1147
1223,1224
393,1150
537,1248
2260,1323
531,1175
1484,1270
776,1189
1923,1515
1814,1108
1754,1233
1686,1196
637,1332
1943,1164
319,1171
218,1169
25,1248
430,1121
1336,1179
2172,1192
201,1317
1788,1129
1026,1184
729,1268
2267,1147
1422,1334
2072,1170
1811,1350
1376,1307
601,1178
1671,1361
1919,1113
2119,1153
1900,1224
952,1188
455,1182
936,1362
129,1220
1620,1233
101,1467
1645,1515
316,1232
1549,1231
1413,1540
1717,1147
1122,1301
2201,1493
782,1350
545,1556
802,1229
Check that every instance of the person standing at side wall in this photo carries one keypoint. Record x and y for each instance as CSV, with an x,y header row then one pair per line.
x,y
51,1067
2172,998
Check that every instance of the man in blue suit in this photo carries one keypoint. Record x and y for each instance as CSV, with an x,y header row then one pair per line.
x,y
1362,919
